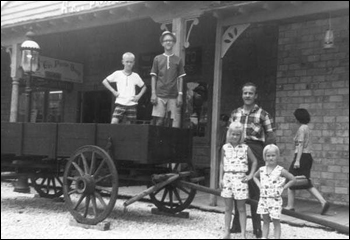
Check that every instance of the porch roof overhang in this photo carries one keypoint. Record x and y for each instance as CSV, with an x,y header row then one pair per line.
x,y
230,12
159,11
235,13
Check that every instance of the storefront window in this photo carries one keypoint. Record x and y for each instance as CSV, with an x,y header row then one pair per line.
x,y
46,106
54,111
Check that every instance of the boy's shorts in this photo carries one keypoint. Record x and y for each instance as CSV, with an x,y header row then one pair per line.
x,y
271,206
165,105
128,111
233,187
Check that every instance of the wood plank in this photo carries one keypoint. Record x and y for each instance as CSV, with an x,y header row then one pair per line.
x,y
72,136
129,142
102,226
39,139
288,11
169,145
11,138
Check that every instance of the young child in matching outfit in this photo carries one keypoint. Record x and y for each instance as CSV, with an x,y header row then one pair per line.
x,y
271,180
233,175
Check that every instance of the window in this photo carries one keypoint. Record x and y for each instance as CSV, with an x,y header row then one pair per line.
x,y
46,106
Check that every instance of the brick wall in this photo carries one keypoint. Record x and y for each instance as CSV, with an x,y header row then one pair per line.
x,y
317,79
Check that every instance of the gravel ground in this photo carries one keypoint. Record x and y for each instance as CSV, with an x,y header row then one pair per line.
x,y
26,216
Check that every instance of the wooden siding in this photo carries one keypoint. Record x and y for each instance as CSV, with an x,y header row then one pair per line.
x,y
21,11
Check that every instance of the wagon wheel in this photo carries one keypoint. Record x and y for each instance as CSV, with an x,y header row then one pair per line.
x,y
174,198
93,177
48,185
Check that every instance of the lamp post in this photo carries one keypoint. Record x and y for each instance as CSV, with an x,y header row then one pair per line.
x,y
30,64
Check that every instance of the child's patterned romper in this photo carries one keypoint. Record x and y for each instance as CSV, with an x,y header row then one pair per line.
x,y
235,164
270,201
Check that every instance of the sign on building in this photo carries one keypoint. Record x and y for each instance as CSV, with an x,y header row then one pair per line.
x,y
56,69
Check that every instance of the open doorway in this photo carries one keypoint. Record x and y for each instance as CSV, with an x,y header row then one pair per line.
x,y
96,107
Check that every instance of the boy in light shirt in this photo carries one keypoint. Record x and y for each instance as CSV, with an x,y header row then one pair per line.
x,y
126,99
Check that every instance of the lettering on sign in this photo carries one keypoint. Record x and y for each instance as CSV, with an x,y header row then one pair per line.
x,y
78,6
57,69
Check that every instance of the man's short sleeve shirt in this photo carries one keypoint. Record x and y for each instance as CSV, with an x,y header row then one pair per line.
x,y
255,124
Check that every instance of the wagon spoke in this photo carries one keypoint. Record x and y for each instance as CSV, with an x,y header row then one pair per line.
x,y
59,180
175,169
90,184
177,195
164,194
72,178
79,201
86,168
99,168
93,159
156,192
87,203
94,205
54,185
73,191
78,168
106,189
48,185
183,189
171,198
101,178
101,199
42,182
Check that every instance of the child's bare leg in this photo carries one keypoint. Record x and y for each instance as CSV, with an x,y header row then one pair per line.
x,y
228,216
291,196
115,121
277,228
266,225
317,195
159,121
242,216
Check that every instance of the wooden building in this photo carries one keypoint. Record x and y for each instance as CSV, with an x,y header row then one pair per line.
x,y
280,46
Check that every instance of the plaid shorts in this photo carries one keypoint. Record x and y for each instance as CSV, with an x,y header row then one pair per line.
x,y
128,111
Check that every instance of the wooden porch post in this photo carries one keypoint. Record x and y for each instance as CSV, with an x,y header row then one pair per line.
x,y
179,29
16,75
214,161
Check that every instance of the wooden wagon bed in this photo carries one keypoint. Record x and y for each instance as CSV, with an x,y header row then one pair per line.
x,y
144,144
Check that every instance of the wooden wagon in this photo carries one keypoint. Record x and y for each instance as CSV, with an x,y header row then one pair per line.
x,y
88,162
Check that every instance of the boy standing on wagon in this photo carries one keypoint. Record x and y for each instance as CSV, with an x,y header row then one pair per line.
x,y
272,183
126,100
233,178
167,83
